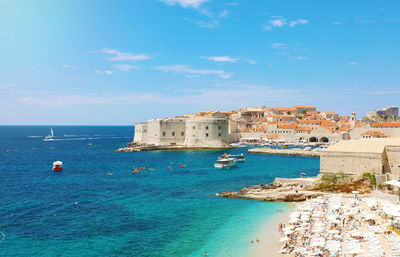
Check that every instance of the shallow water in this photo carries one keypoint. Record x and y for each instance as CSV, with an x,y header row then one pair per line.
x,y
83,212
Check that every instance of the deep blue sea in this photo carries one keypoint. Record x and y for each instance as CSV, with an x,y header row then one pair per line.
x,y
82,211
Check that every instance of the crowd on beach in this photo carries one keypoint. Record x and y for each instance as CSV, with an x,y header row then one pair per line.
x,y
333,225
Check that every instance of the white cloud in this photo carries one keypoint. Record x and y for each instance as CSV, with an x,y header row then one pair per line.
x,y
267,28
67,66
384,92
179,69
121,56
296,22
299,58
7,85
223,14
126,67
185,3
108,72
352,63
250,61
219,97
221,59
279,45
278,22
337,23
208,24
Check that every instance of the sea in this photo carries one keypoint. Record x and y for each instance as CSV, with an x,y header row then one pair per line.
x,y
97,207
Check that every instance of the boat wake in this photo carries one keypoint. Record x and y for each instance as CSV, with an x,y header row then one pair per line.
x,y
79,138
35,136
3,237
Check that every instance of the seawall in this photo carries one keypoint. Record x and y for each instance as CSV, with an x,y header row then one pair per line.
x,y
266,150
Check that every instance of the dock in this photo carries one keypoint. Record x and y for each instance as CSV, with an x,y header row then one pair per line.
x,y
295,152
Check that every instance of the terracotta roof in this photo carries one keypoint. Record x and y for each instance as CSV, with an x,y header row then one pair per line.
x,y
374,133
304,129
273,136
328,123
287,126
310,121
385,124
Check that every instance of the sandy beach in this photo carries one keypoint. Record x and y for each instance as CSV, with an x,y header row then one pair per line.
x,y
334,225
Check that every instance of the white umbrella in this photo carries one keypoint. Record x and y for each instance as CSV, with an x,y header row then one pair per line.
x,y
356,233
291,227
288,232
355,192
333,232
284,239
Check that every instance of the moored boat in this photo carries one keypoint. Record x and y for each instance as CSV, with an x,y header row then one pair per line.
x,y
225,163
237,157
57,166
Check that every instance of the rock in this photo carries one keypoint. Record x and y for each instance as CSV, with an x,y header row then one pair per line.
x,y
282,190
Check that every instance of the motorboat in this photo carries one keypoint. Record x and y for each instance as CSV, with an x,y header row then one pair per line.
x,y
51,135
225,163
57,166
237,157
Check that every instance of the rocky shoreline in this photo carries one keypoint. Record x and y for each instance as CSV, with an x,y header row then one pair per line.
x,y
304,153
166,148
281,190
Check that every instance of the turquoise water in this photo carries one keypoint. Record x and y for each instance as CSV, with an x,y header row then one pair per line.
x,y
83,212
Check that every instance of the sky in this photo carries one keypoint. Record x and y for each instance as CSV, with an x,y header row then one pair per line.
x,y
98,62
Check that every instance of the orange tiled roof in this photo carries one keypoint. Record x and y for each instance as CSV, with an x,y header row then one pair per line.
x,y
310,121
374,133
304,129
273,136
385,124
287,126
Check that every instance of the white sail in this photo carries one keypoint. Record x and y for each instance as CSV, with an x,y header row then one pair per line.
x,y
51,129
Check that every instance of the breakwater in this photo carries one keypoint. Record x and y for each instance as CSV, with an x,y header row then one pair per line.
x,y
293,152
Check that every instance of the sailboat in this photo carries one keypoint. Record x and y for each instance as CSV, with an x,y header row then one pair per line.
x,y
51,135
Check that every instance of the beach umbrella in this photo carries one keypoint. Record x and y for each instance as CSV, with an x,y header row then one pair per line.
x,y
356,233
291,227
295,214
288,232
370,216
333,232
355,192
284,239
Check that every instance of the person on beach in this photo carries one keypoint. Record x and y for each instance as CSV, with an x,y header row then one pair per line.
x,y
205,253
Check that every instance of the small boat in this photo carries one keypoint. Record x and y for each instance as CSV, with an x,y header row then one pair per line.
x,y
57,166
51,135
237,157
225,163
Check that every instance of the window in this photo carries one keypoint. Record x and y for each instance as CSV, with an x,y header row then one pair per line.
x,y
206,127
182,133
219,127
194,127
219,134
173,133
163,134
206,134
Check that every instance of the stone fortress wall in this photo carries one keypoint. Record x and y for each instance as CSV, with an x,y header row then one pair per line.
x,y
183,131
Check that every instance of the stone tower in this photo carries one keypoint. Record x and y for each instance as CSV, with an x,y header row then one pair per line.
x,y
353,120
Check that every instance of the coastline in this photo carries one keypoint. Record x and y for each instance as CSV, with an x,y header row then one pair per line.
x,y
270,244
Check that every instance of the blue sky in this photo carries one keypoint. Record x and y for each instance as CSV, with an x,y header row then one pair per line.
x,y
118,62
